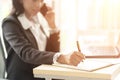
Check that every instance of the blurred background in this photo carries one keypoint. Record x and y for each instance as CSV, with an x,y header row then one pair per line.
x,y
88,21
5,7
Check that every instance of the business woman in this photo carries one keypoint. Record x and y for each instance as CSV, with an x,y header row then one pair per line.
x,y
32,39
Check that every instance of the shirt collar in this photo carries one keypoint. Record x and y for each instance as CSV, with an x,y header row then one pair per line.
x,y
26,24
38,19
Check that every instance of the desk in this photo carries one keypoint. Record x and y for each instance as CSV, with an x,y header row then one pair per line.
x,y
50,71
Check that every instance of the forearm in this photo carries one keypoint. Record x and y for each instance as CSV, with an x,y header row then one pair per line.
x,y
53,43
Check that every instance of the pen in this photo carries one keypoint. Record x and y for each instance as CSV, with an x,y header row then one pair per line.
x,y
78,46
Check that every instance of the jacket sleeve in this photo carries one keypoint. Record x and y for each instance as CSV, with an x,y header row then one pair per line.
x,y
53,42
15,36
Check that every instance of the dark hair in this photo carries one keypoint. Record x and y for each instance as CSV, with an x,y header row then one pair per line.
x,y
17,7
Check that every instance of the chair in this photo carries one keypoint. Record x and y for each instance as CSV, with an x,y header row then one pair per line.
x,y
2,62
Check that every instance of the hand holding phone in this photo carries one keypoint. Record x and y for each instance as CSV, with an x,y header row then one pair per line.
x,y
44,9
49,15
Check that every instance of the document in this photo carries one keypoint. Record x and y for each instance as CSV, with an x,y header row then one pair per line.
x,y
87,65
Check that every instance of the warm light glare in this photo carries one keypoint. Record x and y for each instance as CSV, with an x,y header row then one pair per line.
x,y
92,18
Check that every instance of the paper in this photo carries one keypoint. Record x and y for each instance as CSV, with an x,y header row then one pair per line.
x,y
87,65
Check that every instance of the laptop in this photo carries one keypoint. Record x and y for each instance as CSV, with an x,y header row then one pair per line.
x,y
102,51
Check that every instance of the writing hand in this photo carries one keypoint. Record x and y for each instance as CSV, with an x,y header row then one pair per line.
x,y
71,59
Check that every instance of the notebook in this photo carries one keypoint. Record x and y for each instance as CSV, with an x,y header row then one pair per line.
x,y
102,51
87,65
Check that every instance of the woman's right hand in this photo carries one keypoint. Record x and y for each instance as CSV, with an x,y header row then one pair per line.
x,y
71,59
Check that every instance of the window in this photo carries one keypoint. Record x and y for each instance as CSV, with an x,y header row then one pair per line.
x,y
4,9
90,21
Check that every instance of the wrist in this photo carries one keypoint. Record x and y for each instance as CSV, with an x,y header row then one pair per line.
x,y
55,30
52,25
55,57
62,59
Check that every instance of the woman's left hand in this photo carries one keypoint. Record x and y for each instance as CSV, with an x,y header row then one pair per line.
x,y
50,17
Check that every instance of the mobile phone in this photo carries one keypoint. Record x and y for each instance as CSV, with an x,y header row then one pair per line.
x,y
44,9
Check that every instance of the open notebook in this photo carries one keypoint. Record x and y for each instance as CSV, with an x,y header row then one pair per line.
x,y
96,51
87,65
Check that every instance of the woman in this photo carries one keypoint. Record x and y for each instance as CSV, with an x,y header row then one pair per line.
x,y
32,40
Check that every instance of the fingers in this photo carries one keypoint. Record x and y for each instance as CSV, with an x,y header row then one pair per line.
x,y
76,58
50,17
79,54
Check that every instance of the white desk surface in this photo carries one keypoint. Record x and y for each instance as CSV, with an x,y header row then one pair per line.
x,y
50,71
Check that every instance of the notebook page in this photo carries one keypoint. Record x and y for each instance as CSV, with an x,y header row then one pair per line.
x,y
87,65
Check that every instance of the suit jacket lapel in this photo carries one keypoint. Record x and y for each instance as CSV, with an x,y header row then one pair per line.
x,y
28,35
31,38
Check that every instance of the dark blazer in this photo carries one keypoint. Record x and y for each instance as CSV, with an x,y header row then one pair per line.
x,y
22,49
